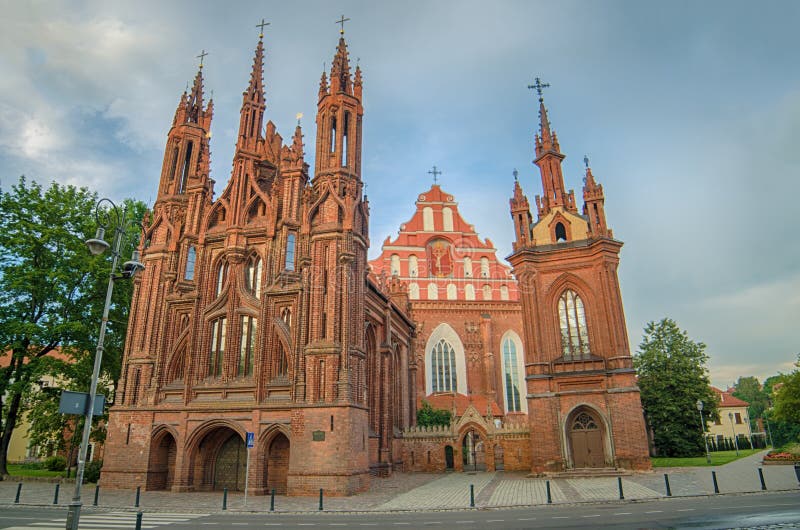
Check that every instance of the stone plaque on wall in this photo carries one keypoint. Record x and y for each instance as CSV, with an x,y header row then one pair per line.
x,y
318,436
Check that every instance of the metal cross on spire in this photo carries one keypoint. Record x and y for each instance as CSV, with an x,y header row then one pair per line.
x,y
261,27
202,56
435,172
538,86
586,161
515,173
342,21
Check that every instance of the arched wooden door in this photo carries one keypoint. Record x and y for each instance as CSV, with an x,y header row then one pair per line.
x,y
586,440
448,457
231,464
277,467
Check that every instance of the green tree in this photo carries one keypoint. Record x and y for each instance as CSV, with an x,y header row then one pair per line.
x,y
427,416
52,292
749,389
672,377
787,398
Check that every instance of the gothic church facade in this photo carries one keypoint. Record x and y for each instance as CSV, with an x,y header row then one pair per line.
x,y
258,312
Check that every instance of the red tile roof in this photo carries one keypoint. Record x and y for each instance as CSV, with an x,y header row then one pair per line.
x,y
445,401
727,399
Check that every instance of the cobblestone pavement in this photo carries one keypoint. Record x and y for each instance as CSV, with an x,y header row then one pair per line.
x,y
416,491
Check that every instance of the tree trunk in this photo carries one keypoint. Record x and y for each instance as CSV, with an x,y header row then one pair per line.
x,y
8,429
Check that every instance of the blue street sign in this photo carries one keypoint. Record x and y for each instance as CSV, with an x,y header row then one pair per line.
x,y
250,439
78,402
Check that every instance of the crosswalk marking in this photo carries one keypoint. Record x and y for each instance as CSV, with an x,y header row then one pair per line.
x,y
113,521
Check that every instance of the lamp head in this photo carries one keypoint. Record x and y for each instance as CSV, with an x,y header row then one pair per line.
x,y
730,415
130,268
699,405
98,245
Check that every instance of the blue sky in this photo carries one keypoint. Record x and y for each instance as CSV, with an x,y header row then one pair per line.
x,y
688,111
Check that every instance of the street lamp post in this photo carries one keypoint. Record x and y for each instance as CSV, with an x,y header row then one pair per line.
x,y
129,269
699,405
769,432
733,430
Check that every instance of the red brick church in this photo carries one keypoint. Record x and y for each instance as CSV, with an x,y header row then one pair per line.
x,y
257,313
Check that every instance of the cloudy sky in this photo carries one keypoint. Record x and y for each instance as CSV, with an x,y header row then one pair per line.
x,y
689,112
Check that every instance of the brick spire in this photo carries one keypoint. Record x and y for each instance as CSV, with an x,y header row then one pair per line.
x,y
521,215
251,116
593,202
340,70
549,158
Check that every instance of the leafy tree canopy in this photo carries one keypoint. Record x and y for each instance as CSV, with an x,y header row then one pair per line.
x,y
787,398
750,390
672,378
427,416
52,293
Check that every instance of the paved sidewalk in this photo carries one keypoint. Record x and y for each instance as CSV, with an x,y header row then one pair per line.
x,y
423,491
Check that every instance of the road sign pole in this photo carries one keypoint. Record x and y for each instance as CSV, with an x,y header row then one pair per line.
x,y
249,442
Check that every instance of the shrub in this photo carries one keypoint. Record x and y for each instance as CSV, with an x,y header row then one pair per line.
x,y
92,471
55,463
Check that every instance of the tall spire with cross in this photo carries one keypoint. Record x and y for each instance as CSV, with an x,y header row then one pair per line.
x,y
340,68
253,101
549,158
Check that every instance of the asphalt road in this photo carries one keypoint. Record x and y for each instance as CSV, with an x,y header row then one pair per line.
x,y
768,510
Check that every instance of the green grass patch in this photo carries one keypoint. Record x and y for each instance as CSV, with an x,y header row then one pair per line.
x,y
718,458
23,470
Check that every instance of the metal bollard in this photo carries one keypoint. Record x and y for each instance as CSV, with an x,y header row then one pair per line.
x,y
19,490
797,471
714,478
619,484
471,496
761,478
138,495
666,481
96,494
55,495
320,499
272,501
225,498
549,497
138,520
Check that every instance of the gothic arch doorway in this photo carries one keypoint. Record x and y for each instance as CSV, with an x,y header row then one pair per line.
x,y
231,464
276,467
217,458
474,451
161,468
498,458
585,430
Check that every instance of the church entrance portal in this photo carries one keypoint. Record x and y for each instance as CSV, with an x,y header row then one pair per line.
x,y
473,450
586,440
277,464
231,465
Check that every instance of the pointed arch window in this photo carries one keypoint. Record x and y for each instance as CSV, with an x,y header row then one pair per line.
x,y
395,265
561,232
191,257
290,251
247,345
186,167
572,321
443,367
217,348
281,362
467,267
222,278
253,275
286,316
511,376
